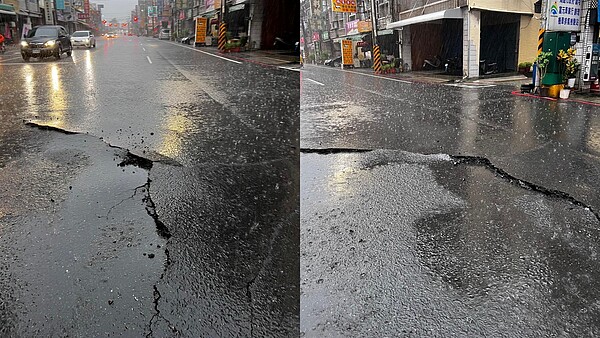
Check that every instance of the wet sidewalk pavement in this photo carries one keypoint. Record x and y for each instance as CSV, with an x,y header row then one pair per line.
x,y
274,58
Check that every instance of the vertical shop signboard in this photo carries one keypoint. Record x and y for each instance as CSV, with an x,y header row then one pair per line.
x,y
48,10
343,6
564,15
201,30
347,52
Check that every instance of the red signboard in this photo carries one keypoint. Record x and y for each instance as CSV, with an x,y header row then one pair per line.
x,y
86,9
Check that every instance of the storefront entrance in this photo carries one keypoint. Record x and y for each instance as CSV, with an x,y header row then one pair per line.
x,y
499,40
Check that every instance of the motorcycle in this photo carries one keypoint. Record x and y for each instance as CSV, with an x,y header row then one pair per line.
x,y
487,68
434,63
280,43
453,66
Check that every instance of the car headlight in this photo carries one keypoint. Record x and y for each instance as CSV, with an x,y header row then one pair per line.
x,y
50,43
24,44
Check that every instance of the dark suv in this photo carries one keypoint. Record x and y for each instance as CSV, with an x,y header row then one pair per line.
x,y
43,41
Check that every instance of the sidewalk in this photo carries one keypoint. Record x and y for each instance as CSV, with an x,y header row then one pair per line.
x,y
265,57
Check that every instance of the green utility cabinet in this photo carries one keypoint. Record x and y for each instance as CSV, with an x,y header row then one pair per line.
x,y
553,42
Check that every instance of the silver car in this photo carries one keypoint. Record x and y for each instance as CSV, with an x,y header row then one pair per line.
x,y
83,38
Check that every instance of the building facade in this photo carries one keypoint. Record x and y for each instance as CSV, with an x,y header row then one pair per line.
x,y
476,32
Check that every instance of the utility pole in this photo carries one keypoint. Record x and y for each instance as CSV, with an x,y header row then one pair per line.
x,y
222,27
376,54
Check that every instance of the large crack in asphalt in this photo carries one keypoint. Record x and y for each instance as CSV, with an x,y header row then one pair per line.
x,y
499,172
162,230
483,162
328,151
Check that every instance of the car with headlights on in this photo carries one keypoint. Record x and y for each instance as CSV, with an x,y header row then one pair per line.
x,y
83,38
44,41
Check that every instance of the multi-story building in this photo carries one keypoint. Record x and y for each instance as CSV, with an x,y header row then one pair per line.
x,y
499,32
323,29
259,22
18,20
481,32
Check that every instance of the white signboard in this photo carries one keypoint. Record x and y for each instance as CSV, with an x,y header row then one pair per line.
x,y
48,9
564,15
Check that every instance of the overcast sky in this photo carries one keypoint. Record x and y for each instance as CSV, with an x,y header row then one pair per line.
x,y
119,9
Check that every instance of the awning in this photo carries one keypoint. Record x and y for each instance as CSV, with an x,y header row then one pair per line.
x,y
7,9
235,8
455,13
2,11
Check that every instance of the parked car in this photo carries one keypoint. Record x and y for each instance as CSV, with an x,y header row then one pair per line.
x,y
165,34
83,38
44,41
335,62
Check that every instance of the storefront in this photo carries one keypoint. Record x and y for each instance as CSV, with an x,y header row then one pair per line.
x,y
8,21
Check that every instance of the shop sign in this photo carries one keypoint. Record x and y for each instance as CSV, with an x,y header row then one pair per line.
x,y
564,15
48,11
343,6
365,26
352,27
347,52
315,36
60,5
86,9
201,30
325,35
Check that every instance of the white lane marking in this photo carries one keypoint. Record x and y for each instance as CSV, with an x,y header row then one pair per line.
x,y
289,68
11,58
25,63
144,49
313,81
207,53
378,77
149,59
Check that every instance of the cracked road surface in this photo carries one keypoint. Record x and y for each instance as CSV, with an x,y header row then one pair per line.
x,y
429,210
147,199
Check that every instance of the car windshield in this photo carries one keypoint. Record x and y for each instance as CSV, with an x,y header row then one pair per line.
x,y
80,34
43,32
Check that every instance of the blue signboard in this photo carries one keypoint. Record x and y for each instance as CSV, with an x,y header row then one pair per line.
x,y
60,4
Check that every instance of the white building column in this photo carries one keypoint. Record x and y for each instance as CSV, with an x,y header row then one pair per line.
x,y
471,42
406,46
257,10
584,46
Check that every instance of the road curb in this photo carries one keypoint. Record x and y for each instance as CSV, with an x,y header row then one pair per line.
x,y
518,93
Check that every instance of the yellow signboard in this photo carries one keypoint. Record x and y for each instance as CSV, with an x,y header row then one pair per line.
x,y
365,26
344,6
347,52
201,30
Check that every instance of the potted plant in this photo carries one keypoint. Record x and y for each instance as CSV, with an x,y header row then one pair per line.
x,y
525,67
542,61
568,67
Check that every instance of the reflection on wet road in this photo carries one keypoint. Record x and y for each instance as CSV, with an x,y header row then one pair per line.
x,y
181,175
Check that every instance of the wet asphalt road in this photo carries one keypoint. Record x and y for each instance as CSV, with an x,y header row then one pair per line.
x,y
148,189
437,210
